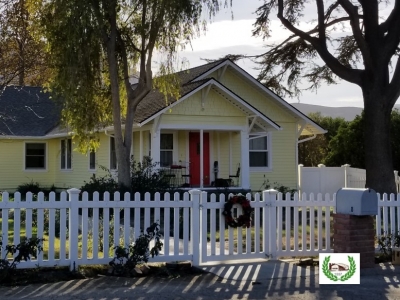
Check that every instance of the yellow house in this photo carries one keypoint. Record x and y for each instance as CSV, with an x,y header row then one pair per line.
x,y
226,129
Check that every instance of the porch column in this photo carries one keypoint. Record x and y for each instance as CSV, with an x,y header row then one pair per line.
x,y
245,160
140,145
201,160
155,146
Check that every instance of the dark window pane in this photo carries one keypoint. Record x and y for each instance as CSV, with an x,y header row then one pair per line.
x,y
35,162
113,155
69,154
165,158
35,156
63,154
92,160
259,143
258,159
167,141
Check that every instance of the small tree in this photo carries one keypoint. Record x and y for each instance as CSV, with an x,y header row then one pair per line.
x,y
95,43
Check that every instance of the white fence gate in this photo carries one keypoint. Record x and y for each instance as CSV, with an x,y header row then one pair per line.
x,y
192,224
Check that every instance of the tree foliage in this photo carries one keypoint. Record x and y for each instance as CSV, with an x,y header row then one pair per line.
x,y
313,152
95,44
357,41
23,59
343,143
347,146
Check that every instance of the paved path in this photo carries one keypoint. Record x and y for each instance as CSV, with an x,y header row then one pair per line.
x,y
255,280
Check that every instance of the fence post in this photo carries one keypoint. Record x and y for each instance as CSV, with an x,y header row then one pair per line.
x,y
300,178
396,180
346,175
269,223
73,227
195,226
322,179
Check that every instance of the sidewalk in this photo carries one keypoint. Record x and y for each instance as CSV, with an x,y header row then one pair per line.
x,y
276,280
262,269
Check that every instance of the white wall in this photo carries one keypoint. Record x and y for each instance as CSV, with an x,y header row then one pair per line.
x,y
329,180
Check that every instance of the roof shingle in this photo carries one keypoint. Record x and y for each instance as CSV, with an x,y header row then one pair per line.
x,y
27,111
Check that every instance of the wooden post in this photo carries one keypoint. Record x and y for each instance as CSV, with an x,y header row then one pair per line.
x,y
73,228
269,225
195,226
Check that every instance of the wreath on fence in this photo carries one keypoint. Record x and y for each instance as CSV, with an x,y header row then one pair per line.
x,y
244,219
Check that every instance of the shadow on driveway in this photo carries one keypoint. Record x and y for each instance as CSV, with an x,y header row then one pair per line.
x,y
260,280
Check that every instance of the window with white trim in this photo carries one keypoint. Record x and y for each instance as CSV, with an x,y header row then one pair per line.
x,y
258,152
113,155
35,156
66,154
166,149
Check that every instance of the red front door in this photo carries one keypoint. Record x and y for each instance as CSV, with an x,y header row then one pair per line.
x,y
194,156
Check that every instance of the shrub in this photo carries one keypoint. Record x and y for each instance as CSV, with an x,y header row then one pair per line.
x,y
277,186
147,178
127,258
144,178
33,187
101,184
385,244
29,247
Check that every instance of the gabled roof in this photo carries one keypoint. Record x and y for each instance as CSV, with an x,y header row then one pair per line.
x,y
27,111
149,104
310,125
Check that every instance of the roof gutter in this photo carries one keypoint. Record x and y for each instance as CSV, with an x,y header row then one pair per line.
x,y
307,139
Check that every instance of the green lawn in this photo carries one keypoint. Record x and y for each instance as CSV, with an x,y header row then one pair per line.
x,y
292,232
46,242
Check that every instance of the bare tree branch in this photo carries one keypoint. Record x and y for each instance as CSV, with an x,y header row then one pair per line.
x,y
321,21
393,91
352,11
389,23
351,75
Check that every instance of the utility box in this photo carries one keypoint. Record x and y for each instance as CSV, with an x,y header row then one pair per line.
x,y
357,202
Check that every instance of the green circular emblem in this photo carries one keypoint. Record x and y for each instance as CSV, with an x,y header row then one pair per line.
x,y
333,277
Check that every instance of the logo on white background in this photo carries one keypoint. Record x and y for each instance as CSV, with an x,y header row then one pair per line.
x,y
339,268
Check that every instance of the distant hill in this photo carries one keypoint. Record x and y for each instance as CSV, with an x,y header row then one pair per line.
x,y
348,113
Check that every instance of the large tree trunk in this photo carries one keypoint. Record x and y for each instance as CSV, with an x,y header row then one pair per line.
x,y
378,150
123,147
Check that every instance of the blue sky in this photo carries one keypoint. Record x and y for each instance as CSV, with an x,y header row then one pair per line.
x,y
227,36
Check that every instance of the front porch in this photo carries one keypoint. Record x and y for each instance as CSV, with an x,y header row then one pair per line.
x,y
203,159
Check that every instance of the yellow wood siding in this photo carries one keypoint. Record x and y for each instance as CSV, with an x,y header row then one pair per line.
x,y
12,161
253,95
217,111
284,169
12,165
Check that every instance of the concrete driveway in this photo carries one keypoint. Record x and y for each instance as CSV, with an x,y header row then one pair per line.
x,y
247,280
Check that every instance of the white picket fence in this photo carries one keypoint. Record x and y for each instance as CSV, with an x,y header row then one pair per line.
x,y
193,226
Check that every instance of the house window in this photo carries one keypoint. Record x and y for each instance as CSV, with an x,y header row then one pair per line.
x,y
92,160
166,149
258,151
66,154
35,156
113,154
